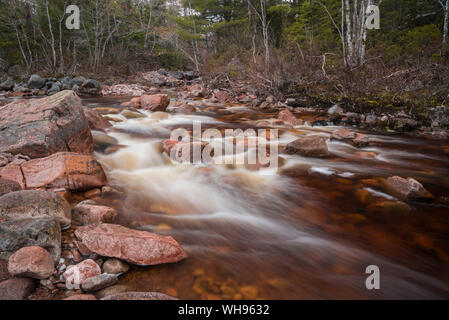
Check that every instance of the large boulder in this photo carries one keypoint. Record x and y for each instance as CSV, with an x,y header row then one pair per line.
x,y
36,82
311,146
67,170
35,204
137,247
40,127
42,232
406,189
12,172
31,262
155,102
96,120
139,296
16,288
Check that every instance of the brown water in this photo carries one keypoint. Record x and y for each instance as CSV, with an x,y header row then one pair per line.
x,y
307,232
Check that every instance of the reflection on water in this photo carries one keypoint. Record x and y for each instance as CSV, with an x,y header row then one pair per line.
x,y
307,232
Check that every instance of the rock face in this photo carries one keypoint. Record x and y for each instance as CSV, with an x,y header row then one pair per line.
x,y
64,170
7,186
99,282
139,296
32,262
77,274
35,204
156,102
406,189
96,120
40,127
289,118
42,232
312,146
138,247
115,266
89,213
16,288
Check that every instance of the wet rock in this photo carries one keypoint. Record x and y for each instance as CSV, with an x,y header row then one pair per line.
x,y
88,213
42,232
67,170
311,146
139,296
90,87
115,266
137,247
16,288
7,186
36,82
35,204
31,262
156,102
128,114
389,208
40,127
406,189
102,140
184,109
288,117
96,121
111,291
77,274
99,282
356,139
7,84
106,110
79,297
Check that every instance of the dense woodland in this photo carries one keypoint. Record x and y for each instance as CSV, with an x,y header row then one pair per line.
x,y
290,45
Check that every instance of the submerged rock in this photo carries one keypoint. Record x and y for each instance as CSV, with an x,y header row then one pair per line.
x,y
115,266
137,247
80,297
35,204
40,127
356,139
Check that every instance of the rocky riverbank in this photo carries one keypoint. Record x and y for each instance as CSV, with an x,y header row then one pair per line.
x,y
58,237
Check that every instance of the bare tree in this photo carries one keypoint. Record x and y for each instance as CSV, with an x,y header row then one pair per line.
x,y
445,5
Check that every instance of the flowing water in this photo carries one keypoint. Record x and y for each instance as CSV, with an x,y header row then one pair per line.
x,y
307,231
